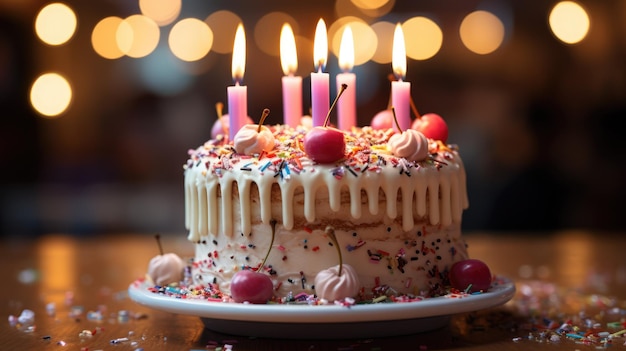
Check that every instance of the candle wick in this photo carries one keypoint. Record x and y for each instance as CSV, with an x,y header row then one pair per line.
x,y
398,74
343,88
320,66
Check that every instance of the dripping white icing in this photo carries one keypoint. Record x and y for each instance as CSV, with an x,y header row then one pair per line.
x,y
433,188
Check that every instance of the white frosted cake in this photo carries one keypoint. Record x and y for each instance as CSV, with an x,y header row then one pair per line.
x,y
396,218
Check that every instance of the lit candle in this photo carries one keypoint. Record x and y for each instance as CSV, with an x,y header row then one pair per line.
x,y
292,85
346,107
400,91
320,95
238,94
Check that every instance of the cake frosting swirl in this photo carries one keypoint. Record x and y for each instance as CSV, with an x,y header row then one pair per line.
x,y
249,140
410,144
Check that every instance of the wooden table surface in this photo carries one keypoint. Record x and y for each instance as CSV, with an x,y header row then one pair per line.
x,y
77,288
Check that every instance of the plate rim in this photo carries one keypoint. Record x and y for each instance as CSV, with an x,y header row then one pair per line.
x,y
500,292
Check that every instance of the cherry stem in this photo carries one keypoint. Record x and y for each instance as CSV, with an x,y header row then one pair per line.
x,y
392,78
266,112
395,119
330,231
273,224
158,240
332,107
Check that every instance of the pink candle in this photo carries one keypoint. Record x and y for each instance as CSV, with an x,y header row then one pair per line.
x,y
237,108
292,100
400,100
238,94
346,106
320,81
400,91
292,86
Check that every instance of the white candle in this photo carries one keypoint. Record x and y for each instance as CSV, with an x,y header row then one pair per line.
x,y
292,85
238,94
346,106
400,91
320,94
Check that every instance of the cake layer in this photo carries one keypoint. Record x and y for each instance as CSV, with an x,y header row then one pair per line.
x,y
384,256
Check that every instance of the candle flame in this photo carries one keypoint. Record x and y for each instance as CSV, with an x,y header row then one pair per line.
x,y
239,54
346,50
288,54
320,46
398,57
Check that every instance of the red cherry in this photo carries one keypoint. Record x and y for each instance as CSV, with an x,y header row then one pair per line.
x,y
470,272
250,286
325,145
383,120
432,126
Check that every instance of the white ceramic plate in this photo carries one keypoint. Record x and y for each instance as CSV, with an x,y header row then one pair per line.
x,y
332,321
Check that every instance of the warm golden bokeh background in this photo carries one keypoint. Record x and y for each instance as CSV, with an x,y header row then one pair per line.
x,y
100,100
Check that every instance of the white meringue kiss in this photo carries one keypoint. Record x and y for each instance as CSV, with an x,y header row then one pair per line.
x,y
249,140
409,144
330,286
166,269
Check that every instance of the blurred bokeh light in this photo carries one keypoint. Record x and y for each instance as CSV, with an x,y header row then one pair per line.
x,y
267,32
424,38
363,8
162,12
569,22
137,36
482,32
370,4
104,38
51,94
365,39
190,39
384,34
55,24
225,23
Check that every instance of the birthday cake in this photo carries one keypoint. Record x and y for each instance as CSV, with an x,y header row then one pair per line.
x,y
381,207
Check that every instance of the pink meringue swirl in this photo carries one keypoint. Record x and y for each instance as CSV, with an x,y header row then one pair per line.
x,y
249,141
330,286
410,144
166,269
